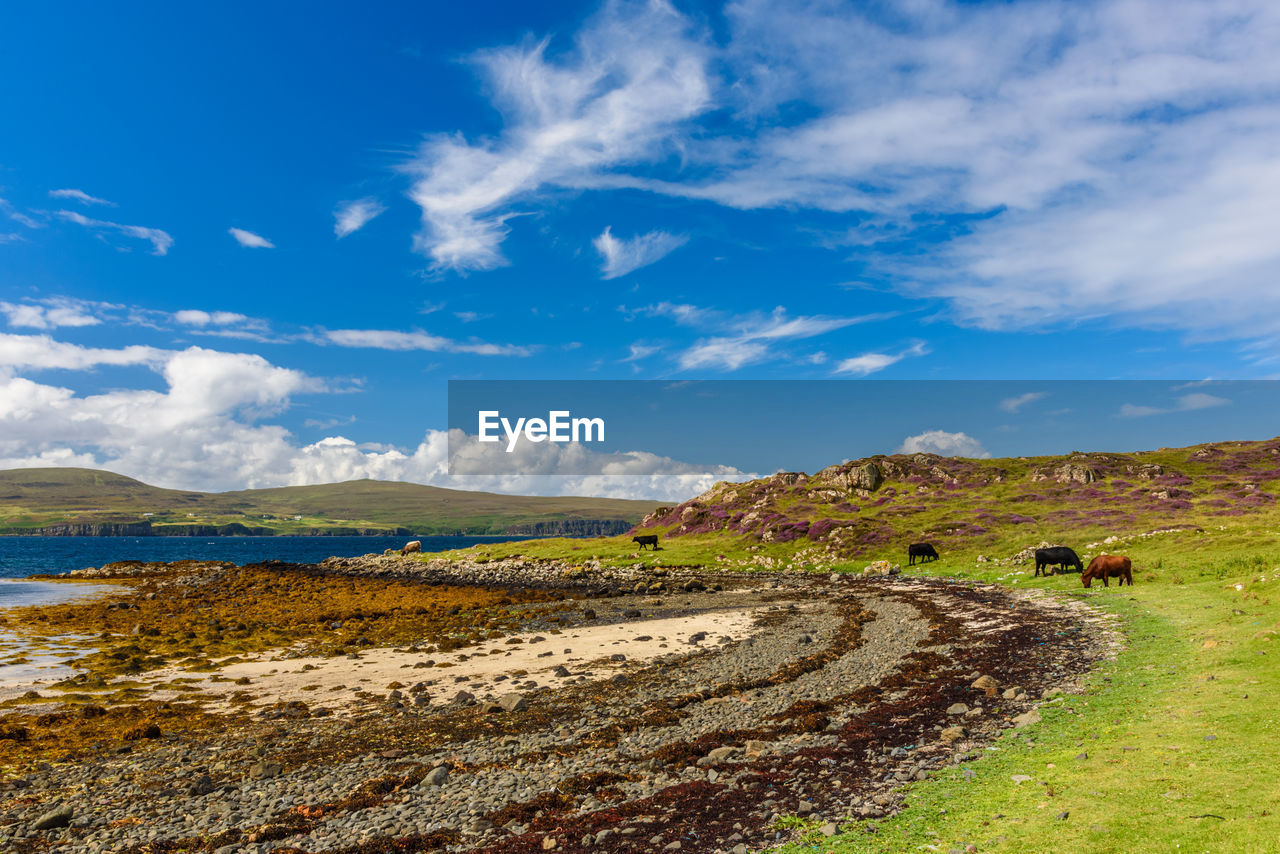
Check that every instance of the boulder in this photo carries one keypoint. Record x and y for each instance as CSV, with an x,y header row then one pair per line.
x,y
59,816
437,776
513,703
986,685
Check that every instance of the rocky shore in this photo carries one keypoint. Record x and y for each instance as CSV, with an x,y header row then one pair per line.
x,y
821,701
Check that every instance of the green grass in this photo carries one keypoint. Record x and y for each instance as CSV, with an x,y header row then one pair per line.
x,y
1193,699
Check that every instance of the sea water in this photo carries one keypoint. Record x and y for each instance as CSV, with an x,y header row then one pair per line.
x,y
23,556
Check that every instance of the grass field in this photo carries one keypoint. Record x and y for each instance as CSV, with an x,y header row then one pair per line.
x,y
1174,746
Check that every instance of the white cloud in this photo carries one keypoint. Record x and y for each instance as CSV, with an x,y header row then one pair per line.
x,y
203,431
160,240
19,217
43,352
50,313
196,317
80,196
1116,157
944,444
623,256
633,76
390,339
870,363
747,338
350,217
249,240
1185,403
1013,404
638,352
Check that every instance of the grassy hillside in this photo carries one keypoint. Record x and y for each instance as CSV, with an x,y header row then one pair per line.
x,y
871,509
35,498
1172,746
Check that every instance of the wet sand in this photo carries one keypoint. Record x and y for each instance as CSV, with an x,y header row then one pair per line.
x,y
27,664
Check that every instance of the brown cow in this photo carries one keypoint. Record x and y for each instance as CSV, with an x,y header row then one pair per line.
x,y
411,546
1108,566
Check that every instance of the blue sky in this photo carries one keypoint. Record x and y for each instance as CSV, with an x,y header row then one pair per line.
x,y
249,245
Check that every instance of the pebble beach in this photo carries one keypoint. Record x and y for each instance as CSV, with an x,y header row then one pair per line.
x,y
394,704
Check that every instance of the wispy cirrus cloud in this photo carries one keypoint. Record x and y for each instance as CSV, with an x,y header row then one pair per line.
x,y
635,73
1013,404
160,240
391,339
7,208
1185,403
870,363
198,317
620,256
80,196
249,240
1106,166
744,339
350,217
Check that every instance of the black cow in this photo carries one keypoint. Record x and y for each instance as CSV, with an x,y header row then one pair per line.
x,y
1057,556
646,540
924,551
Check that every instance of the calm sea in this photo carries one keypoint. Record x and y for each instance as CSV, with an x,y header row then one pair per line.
x,y
23,556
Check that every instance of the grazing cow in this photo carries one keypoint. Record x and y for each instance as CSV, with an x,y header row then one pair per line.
x,y
646,540
924,551
1057,556
1108,566
411,546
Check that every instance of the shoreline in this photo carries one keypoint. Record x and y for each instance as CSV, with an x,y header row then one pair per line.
x,y
845,680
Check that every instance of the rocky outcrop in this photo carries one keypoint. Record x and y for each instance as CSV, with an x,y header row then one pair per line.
x,y
850,478
1067,473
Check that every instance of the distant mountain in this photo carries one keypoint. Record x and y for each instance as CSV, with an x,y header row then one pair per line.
x,y
100,503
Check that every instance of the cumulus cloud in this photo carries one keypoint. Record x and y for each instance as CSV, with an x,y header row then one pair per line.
x,y
1013,404
1185,403
249,240
390,339
636,71
622,256
870,363
206,430
944,444
350,217
80,196
160,240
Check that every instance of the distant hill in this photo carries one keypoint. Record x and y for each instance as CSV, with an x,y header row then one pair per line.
x,y
90,502
875,506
